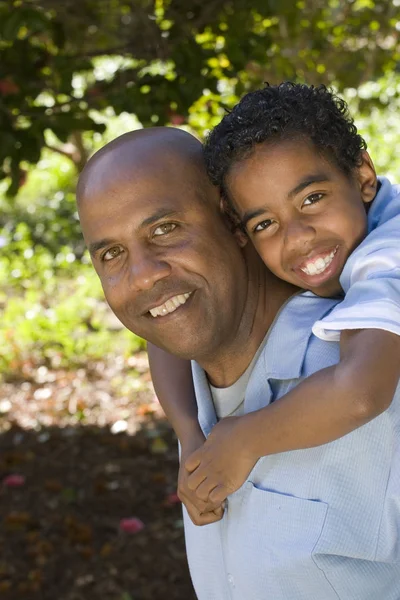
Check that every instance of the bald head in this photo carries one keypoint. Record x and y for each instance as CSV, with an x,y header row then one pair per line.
x,y
161,152
152,223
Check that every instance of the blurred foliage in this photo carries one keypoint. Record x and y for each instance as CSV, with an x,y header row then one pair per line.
x,y
52,306
65,330
54,71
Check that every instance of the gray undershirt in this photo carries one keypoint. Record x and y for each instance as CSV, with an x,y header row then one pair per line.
x,y
229,401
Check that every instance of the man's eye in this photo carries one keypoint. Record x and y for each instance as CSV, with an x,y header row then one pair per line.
x,y
312,199
263,225
164,229
112,253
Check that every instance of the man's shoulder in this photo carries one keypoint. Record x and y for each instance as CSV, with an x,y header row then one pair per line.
x,y
292,350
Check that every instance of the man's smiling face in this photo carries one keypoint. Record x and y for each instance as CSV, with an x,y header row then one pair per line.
x,y
170,269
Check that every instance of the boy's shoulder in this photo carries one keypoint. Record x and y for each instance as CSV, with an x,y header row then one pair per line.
x,y
386,204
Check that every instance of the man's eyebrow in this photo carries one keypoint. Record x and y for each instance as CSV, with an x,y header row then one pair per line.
x,y
160,214
96,246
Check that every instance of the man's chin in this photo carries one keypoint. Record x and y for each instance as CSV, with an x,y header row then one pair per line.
x,y
188,351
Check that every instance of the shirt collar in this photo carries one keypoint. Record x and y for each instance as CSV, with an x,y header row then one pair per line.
x,y
283,355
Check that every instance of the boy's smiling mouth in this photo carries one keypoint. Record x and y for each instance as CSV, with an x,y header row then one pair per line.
x,y
320,268
319,264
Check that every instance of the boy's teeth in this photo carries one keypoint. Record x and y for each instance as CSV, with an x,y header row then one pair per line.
x,y
169,306
319,265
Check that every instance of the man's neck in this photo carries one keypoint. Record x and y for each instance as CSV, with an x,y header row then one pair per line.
x,y
266,296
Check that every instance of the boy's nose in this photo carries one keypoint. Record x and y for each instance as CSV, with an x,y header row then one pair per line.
x,y
146,269
299,235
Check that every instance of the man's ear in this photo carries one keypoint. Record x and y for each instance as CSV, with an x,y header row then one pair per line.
x,y
367,178
234,222
241,237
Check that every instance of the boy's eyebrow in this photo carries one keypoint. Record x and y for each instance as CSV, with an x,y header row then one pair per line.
x,y
251,214
302,185
160,214
306,181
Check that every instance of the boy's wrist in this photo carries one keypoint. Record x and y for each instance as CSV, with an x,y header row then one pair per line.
x,y
247,432
191,436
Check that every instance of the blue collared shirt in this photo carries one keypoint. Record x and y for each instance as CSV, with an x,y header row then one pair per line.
x,y
371,275
315,524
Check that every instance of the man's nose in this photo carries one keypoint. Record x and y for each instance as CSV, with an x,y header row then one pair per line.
x,y
146,268
299,235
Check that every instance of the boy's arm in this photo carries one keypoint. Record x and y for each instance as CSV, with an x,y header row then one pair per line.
x,y
322,408
173,384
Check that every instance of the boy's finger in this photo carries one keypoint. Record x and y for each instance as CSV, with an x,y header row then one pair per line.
x,y
203,518
218,494
188,496
195,479
193,461
204,489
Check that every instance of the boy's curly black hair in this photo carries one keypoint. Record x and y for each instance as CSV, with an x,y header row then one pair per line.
x,y
279,113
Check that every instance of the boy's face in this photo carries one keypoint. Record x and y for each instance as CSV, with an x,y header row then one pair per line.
x,y
302,213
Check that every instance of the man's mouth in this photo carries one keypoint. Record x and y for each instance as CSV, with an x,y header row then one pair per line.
x,y
170,305
318,265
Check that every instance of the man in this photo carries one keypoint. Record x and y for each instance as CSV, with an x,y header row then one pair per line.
x,y
316,524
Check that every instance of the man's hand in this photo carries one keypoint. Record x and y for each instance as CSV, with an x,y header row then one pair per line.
x,y
200,512
221,465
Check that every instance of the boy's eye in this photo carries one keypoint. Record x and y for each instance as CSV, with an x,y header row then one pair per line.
x,y
164,229
312,199
111,253
263,225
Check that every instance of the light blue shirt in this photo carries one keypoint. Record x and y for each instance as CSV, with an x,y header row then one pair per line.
x,y
371,275
316,524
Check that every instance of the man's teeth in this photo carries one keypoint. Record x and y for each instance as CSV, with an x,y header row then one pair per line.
x,y
318,266
169,306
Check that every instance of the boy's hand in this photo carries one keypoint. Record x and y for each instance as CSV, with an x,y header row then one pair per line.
x,y
200,512
221,465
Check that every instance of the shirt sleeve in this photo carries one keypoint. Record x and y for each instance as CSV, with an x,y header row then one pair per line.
x,y
371,282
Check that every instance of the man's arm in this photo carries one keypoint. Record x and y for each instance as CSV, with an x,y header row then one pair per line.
x,y
321,409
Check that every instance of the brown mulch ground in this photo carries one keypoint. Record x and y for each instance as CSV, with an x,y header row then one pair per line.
x,y
87,450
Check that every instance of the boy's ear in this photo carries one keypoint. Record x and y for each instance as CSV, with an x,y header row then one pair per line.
x,y
367,179
234,222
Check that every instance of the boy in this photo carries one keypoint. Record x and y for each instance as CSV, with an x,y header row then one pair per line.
x,y
294,172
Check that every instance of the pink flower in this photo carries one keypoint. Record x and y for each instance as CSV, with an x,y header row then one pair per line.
x,y
173,498
131,525
14,480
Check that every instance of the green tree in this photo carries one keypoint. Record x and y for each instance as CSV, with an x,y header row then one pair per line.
x,y
171,58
